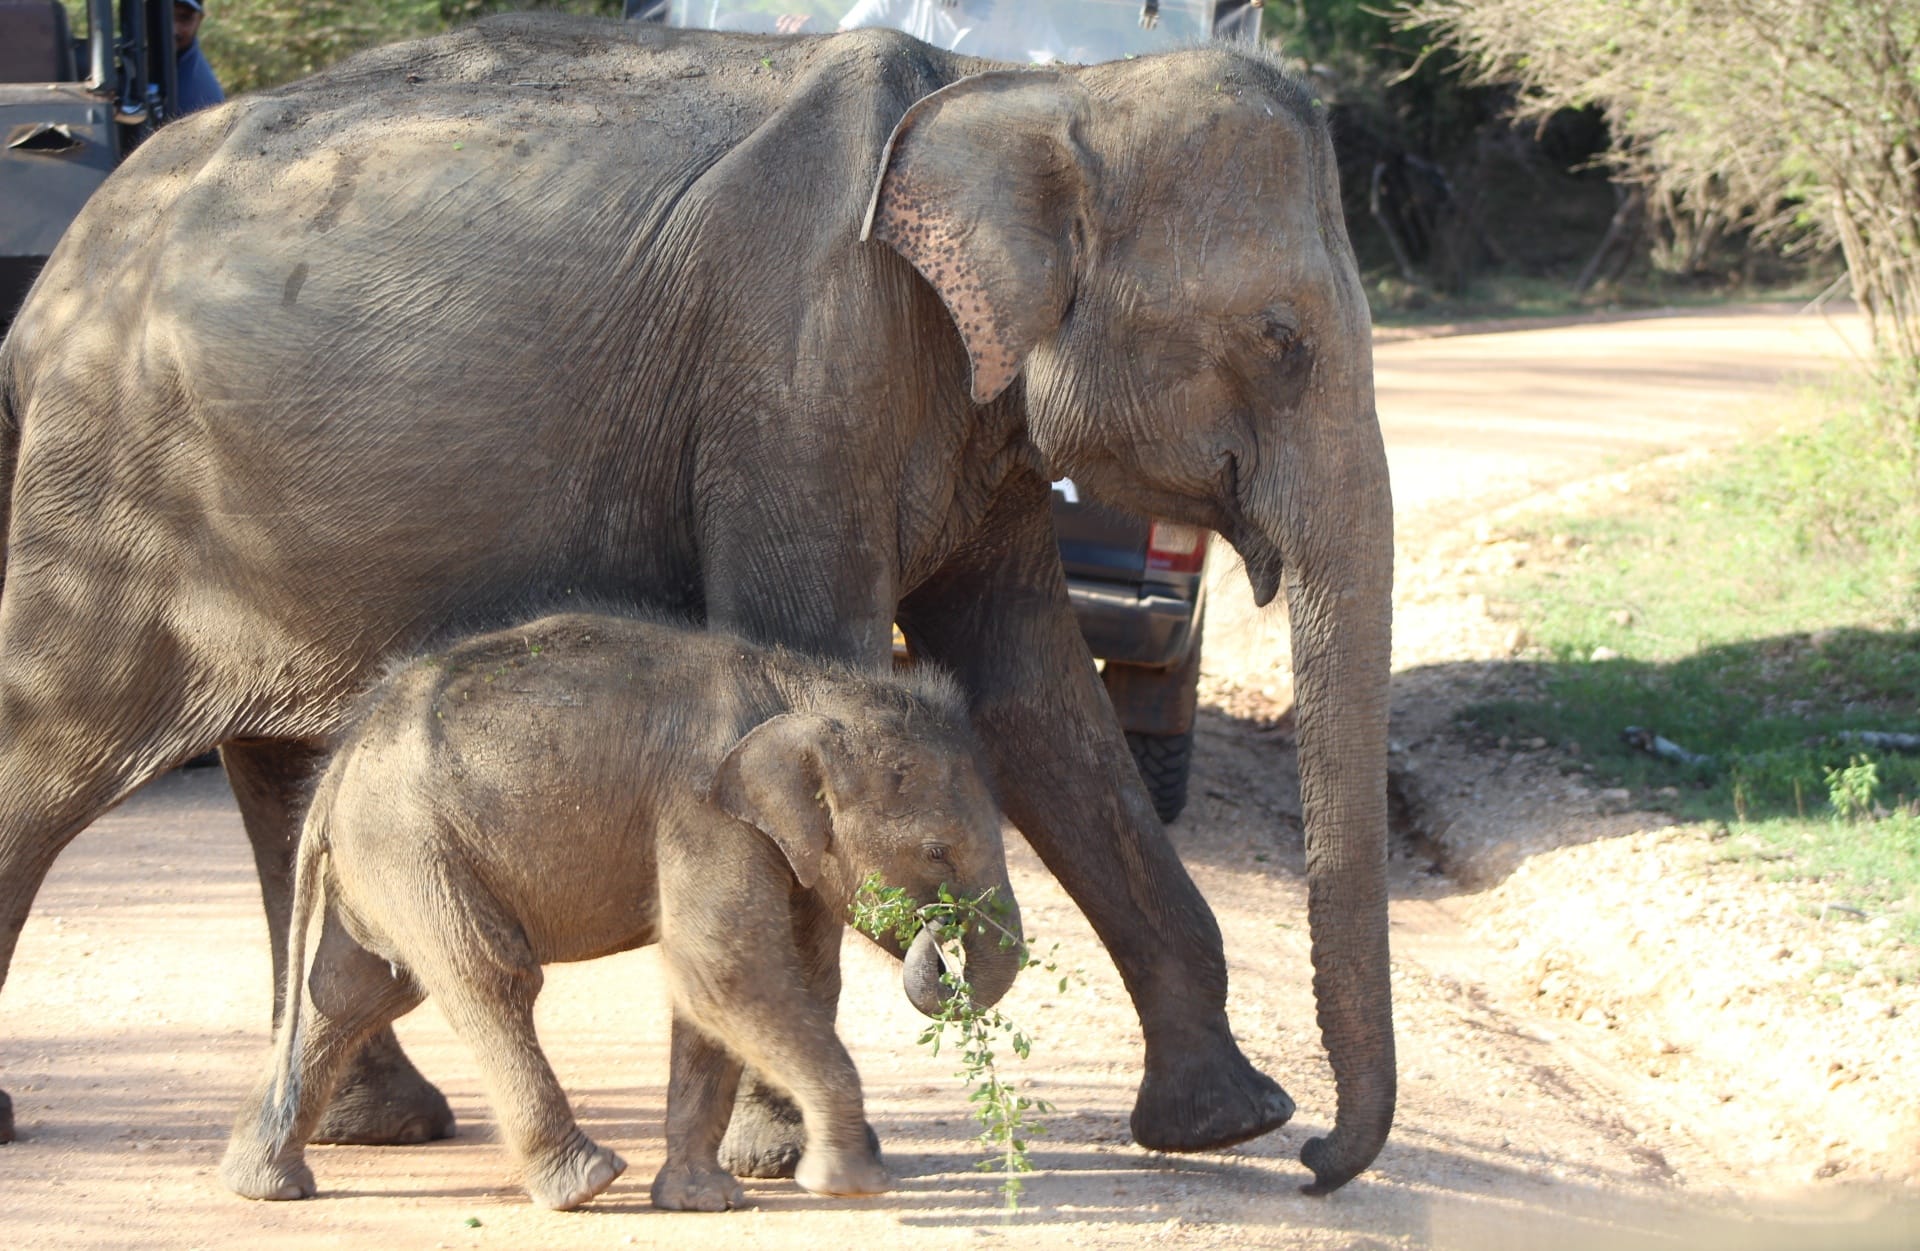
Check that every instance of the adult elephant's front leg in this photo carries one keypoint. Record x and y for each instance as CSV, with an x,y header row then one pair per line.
x,y
817,584
1067,780
382,1100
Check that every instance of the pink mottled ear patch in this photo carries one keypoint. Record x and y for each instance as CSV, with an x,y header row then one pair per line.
x,y
910,222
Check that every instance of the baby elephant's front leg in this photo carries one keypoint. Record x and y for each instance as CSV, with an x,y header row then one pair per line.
x,y
700,1090
753,994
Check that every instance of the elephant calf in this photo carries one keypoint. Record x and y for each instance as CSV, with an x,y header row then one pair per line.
x,y
584,784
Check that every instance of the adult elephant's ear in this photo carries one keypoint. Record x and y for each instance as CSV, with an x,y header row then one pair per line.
x,y
979,188
775,780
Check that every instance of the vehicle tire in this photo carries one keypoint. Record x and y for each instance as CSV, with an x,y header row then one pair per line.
x,y
1165,762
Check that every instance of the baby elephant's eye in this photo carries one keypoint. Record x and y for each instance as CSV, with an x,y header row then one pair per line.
x,y
936,852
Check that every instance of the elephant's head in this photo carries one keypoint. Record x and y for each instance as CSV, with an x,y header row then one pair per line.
x,y
888,784
1156,248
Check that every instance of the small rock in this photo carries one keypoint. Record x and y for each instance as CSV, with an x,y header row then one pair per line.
x,y
1869,1007
1622,617
1613,799
1594,1017
1562,542
1604,652
1517,640
1476,605
1668,792
1534,744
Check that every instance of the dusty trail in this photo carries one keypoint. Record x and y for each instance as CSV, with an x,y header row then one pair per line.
x,y
138,1003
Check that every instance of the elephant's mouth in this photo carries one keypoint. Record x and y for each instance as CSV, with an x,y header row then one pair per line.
x,y
1265,580
1261,558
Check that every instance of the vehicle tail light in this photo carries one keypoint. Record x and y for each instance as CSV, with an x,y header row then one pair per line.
x,y
1176,548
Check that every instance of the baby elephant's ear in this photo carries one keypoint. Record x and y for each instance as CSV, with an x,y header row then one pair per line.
x,y
774,779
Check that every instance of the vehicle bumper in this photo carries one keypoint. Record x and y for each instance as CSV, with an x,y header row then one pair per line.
x,y
1124,625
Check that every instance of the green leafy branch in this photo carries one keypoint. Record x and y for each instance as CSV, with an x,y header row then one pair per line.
x,y
1006,1116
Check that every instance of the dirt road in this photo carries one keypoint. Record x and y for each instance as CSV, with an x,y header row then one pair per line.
x,y
138,1004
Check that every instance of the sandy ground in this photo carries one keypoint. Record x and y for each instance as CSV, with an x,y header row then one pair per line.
x,y
137,1006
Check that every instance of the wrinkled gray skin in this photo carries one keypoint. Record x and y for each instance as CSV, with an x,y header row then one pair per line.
x,y
584,784
785,335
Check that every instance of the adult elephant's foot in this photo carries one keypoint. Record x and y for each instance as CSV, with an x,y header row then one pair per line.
x,y
384,1102
6,1117
766,1137
1203,1097
679,1187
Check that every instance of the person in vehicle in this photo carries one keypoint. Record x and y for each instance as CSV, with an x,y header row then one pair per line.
x,y
199,89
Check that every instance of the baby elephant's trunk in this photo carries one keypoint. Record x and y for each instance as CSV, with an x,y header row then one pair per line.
x,y
994,954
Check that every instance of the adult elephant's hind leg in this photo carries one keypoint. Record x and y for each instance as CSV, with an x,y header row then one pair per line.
x,y
68,752
383,1100
27,852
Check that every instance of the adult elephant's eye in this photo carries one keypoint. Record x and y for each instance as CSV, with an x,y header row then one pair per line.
x,y
936,852
1279,334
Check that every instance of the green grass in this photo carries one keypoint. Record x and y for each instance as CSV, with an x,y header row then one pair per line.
x,y
1752,612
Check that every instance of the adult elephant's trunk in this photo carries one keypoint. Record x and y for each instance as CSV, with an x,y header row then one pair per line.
x,y
1339,551
990,964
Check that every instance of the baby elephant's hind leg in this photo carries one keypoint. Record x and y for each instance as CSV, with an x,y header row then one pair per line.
x,y
487,989
353,993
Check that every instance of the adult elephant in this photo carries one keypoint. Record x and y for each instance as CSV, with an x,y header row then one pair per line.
x,y
788,334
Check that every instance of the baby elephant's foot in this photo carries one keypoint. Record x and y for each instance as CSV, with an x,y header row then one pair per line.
x,y
682,1188
252,1178
845,1176
575,1175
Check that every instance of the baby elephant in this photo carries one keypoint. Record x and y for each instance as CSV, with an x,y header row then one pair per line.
x,y
581,785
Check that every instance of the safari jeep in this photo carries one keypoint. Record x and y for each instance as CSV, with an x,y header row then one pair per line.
x,y
71,108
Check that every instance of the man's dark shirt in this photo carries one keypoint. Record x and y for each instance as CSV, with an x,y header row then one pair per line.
x,y
199,89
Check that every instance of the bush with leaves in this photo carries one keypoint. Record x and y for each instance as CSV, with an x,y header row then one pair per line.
x,y
263,43
1800,118
1005,1115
